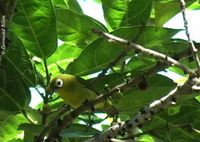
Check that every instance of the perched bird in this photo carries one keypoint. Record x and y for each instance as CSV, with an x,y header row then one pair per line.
x,y
75,91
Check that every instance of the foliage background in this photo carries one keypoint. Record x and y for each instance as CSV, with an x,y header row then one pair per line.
x,y
33,53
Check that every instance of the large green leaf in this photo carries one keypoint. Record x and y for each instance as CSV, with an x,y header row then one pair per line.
x,y
35,25
76,29
149,36
165,11
20,58
9,126
17,75
91,61
126,13
14,92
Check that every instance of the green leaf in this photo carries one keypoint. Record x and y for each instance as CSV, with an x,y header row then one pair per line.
x,y
179,126
165,11
16,140
137,98
194,6
138,12
109,80
9,126
76,29
30,131
140,64
68,4
149,36
114,11
13,97
77,130
35,25
147,138
20,58
63,56
126,13
90,59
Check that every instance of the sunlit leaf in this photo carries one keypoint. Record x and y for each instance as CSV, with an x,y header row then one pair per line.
x,y
76,29
35,24
9,126
91,61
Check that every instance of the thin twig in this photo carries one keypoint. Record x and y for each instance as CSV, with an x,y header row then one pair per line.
x,y
47,72
155,54
193,48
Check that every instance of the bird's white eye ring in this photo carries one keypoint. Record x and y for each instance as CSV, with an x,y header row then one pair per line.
x,y
59,83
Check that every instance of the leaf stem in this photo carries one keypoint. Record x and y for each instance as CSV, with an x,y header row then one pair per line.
x,y
48,76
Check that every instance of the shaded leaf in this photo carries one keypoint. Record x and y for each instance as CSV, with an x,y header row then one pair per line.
x,y
21,59
177,126
77,130
13,97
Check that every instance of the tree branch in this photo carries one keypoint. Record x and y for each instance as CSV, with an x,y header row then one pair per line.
x,y
155,54
121,55
191,44
144,115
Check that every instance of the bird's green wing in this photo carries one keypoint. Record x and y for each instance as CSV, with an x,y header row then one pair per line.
x,y
86,84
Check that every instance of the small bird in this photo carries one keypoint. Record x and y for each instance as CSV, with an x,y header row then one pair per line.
x,y
75,91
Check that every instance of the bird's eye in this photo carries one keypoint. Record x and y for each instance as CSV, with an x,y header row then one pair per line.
x,y
59,83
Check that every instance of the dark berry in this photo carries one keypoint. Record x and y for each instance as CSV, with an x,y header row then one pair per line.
x,y
143,85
